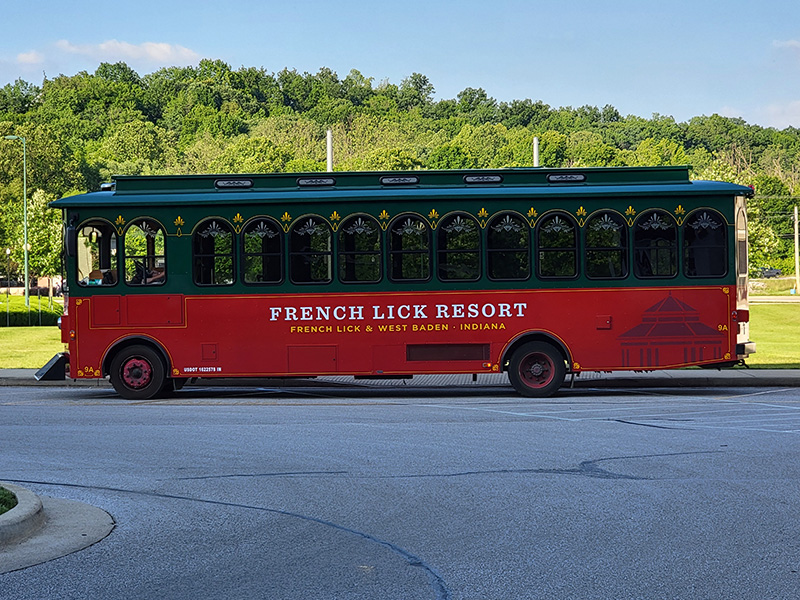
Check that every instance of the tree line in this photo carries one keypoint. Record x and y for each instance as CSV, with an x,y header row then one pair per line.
x,y
82,129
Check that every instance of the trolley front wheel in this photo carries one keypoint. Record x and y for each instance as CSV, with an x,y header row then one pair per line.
x,y
138,373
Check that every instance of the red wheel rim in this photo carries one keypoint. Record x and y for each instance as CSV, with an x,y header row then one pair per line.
x,y
137,373
537,370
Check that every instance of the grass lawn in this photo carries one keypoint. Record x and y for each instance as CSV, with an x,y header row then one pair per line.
x,y
28,347
778,286
775,328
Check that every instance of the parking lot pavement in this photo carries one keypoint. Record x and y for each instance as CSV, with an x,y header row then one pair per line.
x,y
662,378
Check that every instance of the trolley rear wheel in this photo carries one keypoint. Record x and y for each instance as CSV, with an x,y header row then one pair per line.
x,y
537,369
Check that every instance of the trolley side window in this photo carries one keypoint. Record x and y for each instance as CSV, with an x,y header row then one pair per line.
x,y
311,254
360,250
606,246
705,251
459,248
557,247
262,252
508,248
409,249
145,261
655,246
97,254
212,246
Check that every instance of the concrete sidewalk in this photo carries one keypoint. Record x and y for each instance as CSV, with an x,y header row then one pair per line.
x,y
736,377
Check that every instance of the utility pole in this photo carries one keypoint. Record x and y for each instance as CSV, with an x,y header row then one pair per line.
x,y
330,150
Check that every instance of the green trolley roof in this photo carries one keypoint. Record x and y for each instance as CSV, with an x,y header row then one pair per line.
x,y
409,185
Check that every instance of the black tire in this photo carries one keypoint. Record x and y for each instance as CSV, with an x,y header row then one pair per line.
x,y
537,370
138,373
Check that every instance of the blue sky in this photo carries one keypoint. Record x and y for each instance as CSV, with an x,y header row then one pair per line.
x,y
684,58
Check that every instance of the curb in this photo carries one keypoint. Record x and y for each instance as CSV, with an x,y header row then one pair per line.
x,y
25,519
40,529
30,382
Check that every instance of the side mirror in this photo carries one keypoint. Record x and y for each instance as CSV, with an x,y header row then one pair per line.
x,y
71,241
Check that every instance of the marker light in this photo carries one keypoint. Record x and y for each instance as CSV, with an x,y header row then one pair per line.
x,y
566,177
392,180
483,179
315,181
233,184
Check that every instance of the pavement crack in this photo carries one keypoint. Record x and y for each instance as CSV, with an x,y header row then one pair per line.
x,y
437,583
257,475
626,422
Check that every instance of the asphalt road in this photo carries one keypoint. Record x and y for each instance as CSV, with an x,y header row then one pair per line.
x,y
450,494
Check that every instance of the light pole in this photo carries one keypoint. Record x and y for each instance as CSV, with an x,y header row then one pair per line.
x,y
8,284
24,211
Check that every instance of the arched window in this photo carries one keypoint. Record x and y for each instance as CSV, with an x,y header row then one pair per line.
x,y
705,249
655,245
409,249
212,246
360,250
310,251
508,247
262,246
606,238
145,261
97,254
557,247
459,248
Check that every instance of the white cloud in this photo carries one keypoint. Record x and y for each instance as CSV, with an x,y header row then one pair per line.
x,y
731,112
792,44
159,53
780,115
30,58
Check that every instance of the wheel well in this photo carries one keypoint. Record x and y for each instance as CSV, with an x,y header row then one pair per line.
x,y
135,341
536,337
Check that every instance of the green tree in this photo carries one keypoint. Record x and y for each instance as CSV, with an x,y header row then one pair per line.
x,y
18,98
416,91
477,106
450,156
655,153
552,149
252,155
44,235
587,149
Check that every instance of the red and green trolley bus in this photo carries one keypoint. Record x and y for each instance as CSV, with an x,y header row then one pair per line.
x,y
534,272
